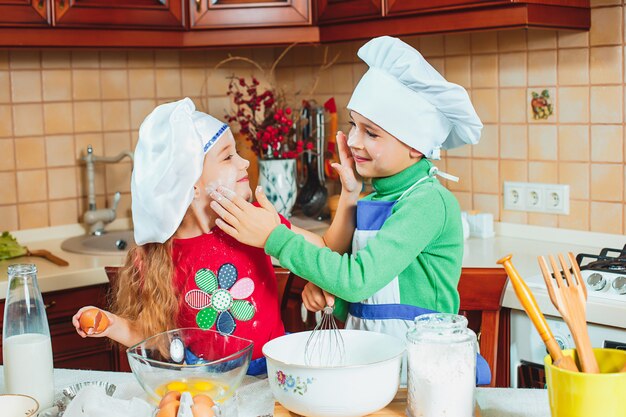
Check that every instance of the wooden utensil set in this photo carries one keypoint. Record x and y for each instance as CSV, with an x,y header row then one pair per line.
x,y
568,293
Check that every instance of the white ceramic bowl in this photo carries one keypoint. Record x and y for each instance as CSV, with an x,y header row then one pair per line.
x,y
367,381
17,405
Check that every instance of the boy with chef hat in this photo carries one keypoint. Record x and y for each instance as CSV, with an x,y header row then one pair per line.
x,y
407,248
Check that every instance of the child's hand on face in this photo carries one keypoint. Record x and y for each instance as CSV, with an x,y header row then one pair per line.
x,y
87,327
315,299
248,224
349,181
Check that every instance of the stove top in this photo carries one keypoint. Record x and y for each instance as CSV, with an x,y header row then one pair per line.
x,y
604,261
604,274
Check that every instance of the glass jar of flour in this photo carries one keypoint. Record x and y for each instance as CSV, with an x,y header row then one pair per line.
x,y
441,366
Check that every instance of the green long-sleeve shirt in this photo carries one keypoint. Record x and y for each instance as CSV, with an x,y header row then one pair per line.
x,y
421,243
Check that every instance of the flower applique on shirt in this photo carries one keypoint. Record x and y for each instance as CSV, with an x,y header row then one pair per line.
x,y
220,298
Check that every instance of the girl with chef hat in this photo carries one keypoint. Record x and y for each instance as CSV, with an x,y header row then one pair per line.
x,y
184,271
407,248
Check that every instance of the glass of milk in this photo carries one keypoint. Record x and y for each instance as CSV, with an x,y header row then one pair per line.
x,y
26,347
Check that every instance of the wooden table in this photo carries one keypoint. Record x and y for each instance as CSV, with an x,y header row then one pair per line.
x,y
396,408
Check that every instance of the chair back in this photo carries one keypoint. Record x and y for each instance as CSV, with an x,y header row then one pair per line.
x,y
481,291
112,272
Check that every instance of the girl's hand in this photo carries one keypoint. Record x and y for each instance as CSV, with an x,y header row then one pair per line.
x,y
248,224
349,181
105,333
315,298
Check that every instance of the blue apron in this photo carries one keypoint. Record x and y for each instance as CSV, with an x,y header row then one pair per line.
x,y
383,312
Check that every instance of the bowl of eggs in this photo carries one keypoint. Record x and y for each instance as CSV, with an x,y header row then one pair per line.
x,y
364,381
201,362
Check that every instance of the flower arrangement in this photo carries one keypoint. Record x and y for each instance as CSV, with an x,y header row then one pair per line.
x,y
264,118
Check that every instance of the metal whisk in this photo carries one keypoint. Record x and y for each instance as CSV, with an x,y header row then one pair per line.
x,y
325,346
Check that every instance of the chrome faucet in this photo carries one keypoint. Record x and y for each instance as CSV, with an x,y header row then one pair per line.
x,y
97,218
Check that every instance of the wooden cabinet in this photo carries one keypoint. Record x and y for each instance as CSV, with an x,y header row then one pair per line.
x,y
329,11
24,13
68,348
246,13
416,17
159,14
222,23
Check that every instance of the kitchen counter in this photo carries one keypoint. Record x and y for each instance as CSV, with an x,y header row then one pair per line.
x,y
493,402
524,242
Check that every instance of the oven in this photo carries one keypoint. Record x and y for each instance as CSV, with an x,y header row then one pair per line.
x,y
605,277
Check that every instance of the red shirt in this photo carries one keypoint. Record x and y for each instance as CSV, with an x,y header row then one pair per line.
x,y
227,286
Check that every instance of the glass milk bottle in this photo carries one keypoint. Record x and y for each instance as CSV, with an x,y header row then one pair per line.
x,y
441,366
26,347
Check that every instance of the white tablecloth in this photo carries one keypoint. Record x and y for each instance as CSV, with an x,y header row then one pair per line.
x,y
254,398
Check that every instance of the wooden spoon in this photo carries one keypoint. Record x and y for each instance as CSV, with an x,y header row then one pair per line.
x,y
570,299
42,253
529,303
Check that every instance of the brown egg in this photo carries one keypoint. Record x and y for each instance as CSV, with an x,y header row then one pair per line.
x,y
93,321
169,410
203,399
201,410
169,397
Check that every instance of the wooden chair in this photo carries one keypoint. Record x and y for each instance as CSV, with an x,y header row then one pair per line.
x,y
123,365
481,291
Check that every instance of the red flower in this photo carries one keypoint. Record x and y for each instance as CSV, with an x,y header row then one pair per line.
x,y
262,117
281,377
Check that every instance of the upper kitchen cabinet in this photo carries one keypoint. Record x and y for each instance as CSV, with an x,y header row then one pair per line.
x,y
345,10
229,14
152,14
24,13
416,17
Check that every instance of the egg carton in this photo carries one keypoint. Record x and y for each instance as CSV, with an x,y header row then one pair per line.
x,y
69,393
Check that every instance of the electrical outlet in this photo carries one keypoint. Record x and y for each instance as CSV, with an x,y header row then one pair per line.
x,y
514,196
557,199
536,197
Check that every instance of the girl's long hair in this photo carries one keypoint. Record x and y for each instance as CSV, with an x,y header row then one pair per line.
x,y
145,293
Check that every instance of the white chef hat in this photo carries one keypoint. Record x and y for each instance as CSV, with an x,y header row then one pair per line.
x,y
168,161
403,94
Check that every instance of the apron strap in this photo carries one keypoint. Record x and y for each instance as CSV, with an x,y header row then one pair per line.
x,y
387,311
432,172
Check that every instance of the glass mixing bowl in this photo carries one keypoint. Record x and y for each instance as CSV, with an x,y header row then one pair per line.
x,y
190,359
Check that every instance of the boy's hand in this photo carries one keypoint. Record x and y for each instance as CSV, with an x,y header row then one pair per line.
x,y
349,181
248,224
315,298
104,333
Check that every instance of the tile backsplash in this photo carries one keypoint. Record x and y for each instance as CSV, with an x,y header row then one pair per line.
x,y
53,103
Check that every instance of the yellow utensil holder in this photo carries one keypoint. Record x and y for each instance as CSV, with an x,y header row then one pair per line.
x,y
577,394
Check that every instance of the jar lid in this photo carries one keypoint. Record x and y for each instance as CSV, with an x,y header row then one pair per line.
x,y
440,327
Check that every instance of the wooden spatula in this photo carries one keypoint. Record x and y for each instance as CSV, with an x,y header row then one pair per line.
x,y
42,253
570,298
527,299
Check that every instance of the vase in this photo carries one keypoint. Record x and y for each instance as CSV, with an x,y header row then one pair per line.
x,y
278,179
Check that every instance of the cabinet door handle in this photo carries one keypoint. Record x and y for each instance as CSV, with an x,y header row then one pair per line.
x,y
198,5
40,4
50,304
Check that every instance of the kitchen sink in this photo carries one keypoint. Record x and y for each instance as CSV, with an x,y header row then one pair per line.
x,y
109,243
